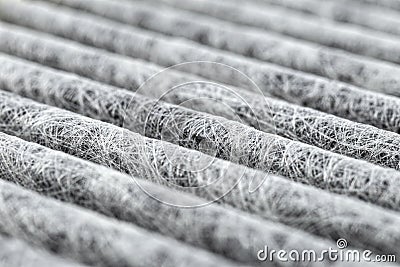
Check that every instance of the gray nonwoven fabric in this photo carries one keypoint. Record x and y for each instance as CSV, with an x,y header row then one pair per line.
x,y
300,88
223,138
233,141
352,38
89,237
363,14
219,229
250,42
268,196
387,4
269,115
16,253
199,133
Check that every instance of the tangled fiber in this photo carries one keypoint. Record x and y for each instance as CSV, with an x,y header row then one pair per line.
x,y
329,96
215,136
180,133
119,196
250,42
269,115
299,206
347,37
370,16
89,237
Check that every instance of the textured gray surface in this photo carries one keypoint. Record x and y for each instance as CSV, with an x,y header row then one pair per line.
x,y
91,238
225,139
389,4
98,101
370,16
348,37
15,253
250,42
218,229
184,170
301,88
107,158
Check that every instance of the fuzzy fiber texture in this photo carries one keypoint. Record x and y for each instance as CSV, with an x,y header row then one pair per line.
x,y
247,41
198,133
301,88
370,16
207,177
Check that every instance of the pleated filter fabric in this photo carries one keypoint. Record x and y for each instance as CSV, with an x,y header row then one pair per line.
x,y
198,132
